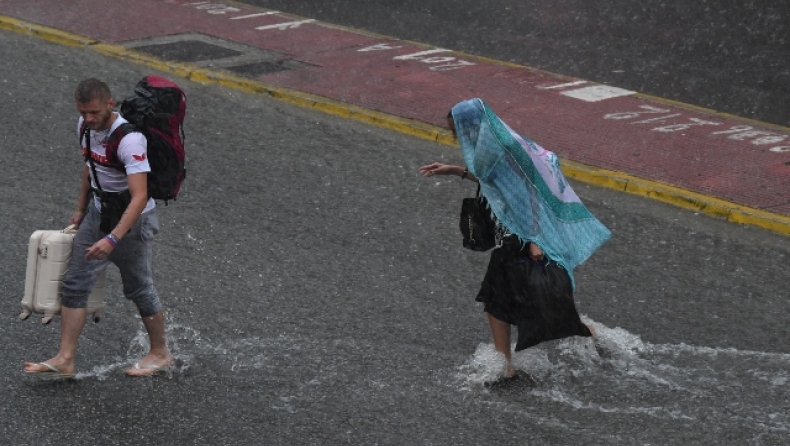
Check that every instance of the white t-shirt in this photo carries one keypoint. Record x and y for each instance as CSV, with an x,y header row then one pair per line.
x,y
132,152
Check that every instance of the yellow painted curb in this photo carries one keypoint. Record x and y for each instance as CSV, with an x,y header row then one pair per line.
x,y
677,196
43,32
302,99
588,174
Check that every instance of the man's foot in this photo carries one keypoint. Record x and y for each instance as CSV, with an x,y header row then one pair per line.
x,y
53,368
150,365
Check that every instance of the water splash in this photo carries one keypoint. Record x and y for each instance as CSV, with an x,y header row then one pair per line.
x,y
184,343
617,372
102,372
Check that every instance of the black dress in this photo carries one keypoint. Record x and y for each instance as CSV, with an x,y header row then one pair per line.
x,y
537,297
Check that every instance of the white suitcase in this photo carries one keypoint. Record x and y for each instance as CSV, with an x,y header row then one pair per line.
x,y
48,257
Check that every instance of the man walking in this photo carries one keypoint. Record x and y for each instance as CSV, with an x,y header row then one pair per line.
x,y
116,223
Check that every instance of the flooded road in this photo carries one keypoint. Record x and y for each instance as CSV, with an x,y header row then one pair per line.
x,y
317,293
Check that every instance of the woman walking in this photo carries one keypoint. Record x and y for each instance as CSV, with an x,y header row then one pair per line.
x,y
543,231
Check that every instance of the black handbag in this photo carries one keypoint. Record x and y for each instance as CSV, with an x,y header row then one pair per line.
x,y
476,224
113,205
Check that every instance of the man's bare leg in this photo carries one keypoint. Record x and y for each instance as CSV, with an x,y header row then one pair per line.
x,y
159,356
501,333
72,321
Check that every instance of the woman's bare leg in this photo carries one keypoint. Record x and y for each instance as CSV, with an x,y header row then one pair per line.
x,y
501,332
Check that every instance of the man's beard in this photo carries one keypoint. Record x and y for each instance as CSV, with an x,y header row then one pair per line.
x,y
103,124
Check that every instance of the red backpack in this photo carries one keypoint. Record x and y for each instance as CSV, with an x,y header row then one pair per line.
x,y
157,110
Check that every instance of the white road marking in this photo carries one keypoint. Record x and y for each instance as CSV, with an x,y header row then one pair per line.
x,y
597,93
379,47
286,25
249,16
565,85
418,56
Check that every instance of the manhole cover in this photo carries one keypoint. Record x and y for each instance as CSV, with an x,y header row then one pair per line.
x,y
188,51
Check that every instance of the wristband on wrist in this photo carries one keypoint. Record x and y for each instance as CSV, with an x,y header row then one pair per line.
x,y
81,209
466,172
112,239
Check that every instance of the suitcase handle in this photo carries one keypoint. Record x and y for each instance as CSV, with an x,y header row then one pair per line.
x,y
69,229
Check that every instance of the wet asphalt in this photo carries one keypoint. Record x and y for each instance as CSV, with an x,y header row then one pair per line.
x,y
317,293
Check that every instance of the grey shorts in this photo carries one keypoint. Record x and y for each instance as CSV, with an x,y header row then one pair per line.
x,y
132,256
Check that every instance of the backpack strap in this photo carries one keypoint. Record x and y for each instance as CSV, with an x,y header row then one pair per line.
x,y
111,146
111,149
113,142
85,132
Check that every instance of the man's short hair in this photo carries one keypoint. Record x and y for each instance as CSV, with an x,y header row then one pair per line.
x,y
91,89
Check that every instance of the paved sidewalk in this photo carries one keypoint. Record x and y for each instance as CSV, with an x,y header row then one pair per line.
x,y
699,159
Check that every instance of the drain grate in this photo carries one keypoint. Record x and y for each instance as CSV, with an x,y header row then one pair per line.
x,y
188,51
215,53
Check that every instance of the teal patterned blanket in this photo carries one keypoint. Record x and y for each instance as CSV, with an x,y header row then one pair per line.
x,y
525,187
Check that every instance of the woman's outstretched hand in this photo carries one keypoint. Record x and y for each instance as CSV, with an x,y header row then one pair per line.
x,y
441,169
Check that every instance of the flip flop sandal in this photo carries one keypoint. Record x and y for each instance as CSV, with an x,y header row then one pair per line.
x,y
151,369
51,372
